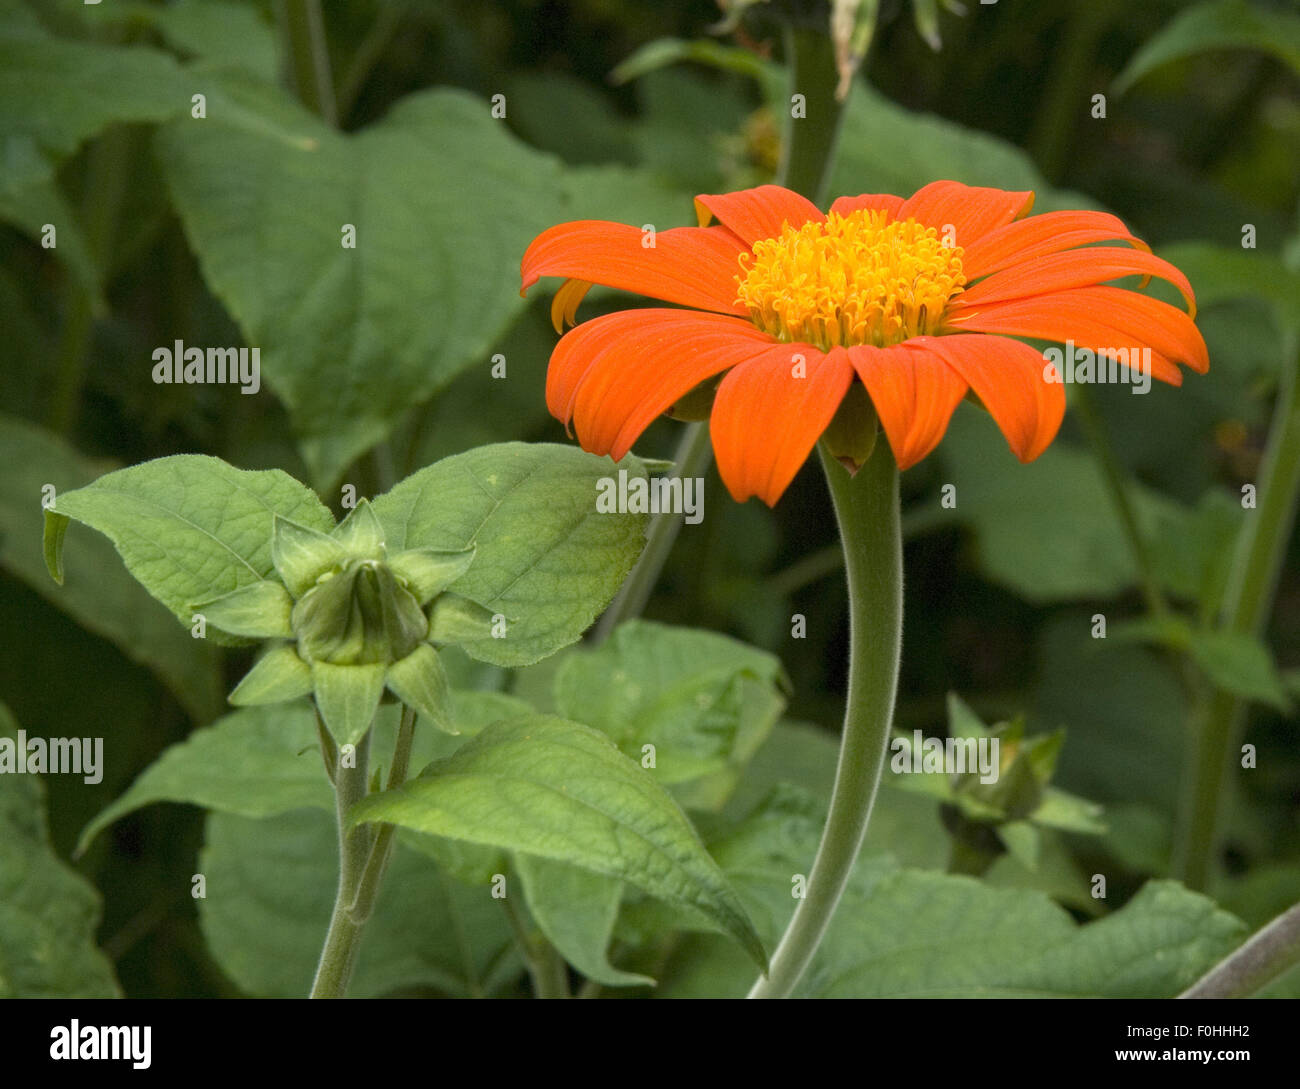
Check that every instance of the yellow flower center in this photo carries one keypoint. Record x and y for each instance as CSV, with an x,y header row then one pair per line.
x,y
854,279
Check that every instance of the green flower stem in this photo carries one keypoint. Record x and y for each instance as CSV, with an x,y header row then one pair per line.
x,y
381,852
1264,957
808,150
363,856
692,458
867,510
1248,604
306,56
343,939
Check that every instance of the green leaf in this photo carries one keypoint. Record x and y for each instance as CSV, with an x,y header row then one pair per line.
x,y
704,701
277,676
1048,530
48,912
544,786
576,910
263,761
546,559
259,610
99,594
936,936
1219,24
270,886
348,696
255,762
301,554
429,571
360,533
188,527
419,681
352,338
53,96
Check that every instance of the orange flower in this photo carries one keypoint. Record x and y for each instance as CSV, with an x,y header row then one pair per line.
x,y
917,299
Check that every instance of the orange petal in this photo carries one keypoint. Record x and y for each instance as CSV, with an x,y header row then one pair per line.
x,y
691,266
615,374
1093,317
759,213
914,393
766,418
1075,268
564,307
972,211
1008,377
872,202
1038,235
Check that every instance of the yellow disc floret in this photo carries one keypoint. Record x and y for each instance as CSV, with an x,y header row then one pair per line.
x,y
854,279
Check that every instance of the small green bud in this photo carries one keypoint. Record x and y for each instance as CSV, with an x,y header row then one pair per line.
x,y
360,615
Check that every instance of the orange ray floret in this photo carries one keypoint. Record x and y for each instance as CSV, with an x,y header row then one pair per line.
x,y
916,298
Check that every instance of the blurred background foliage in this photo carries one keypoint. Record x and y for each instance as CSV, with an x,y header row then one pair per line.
x,y
226,231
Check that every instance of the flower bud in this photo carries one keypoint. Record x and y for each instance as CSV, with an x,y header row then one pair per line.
x,y
357,615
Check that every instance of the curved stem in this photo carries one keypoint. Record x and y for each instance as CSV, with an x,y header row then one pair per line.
x,y
866,508
343,939
1248,604
1264,957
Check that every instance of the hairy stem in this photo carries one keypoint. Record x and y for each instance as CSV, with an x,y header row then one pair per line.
x,y
1264,957
866,508
343,939
1248,604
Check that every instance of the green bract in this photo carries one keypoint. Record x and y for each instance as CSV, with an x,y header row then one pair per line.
x,y
347,621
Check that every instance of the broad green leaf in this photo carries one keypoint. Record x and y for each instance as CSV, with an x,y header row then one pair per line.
x,y
1220,274
188,527
547,561
544,786
937,936
270,887
1218,24
48,912
1047,530
263,761
576,910
1125,707
703,701
98,593
444,201
55,93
